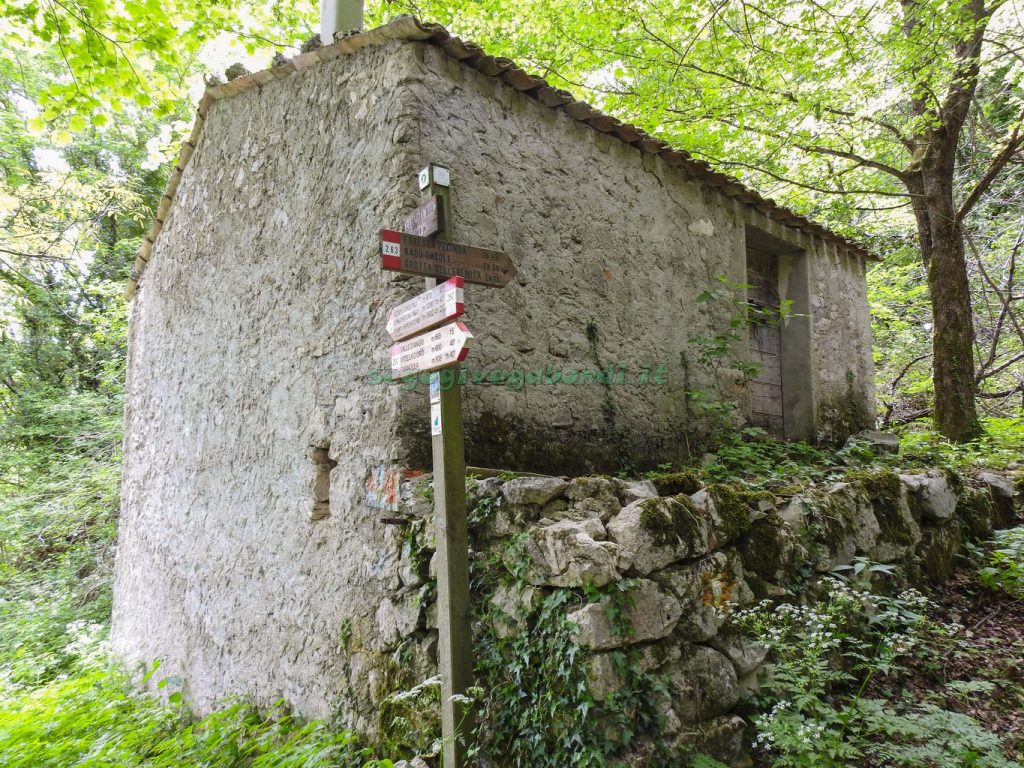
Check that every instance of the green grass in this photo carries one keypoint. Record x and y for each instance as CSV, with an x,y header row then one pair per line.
x,y
96,718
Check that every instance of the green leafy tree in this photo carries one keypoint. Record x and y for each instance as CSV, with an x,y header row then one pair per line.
x,y
908,108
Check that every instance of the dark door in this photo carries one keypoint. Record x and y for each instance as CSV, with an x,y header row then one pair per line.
x,y
765,344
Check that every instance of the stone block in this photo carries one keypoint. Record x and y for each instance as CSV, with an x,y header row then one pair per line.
x,y
656,532
649,615
567,554
636,490
703,684
745,653
770,550
1003,492
930,495
533,490
707,589
721,738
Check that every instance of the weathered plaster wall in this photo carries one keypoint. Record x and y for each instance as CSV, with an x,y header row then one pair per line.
x,y
612,247
844,366
261,312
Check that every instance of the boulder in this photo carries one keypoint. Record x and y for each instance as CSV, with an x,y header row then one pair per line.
x,y
842,524
585,497
745,653
770,550
721,738
930,495
879,442
533,490
568,553
646,614
635,490
863,528
730,510
1003,492
899,532
653,533
706,589
703,684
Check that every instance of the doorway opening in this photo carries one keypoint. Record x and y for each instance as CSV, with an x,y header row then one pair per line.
x,y
780,395
765,343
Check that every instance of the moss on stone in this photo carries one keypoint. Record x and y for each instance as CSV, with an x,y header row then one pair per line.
x,y
830,523
975,508
670,520
733,506
885,489
956,483
767,551
685,481
881,484
787,489
938,551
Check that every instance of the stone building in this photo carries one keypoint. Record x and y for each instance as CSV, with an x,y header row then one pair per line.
x,y
258,435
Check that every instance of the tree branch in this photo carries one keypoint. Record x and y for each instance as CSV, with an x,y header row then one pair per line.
x,y
1013,143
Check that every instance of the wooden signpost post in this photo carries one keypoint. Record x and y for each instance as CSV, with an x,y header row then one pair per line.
x,y
430,337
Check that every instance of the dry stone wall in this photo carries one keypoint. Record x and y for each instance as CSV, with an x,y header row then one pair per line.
x,y
656,567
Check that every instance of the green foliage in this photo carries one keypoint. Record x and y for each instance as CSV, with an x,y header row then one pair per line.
x,y
537,710
96,718
410,720
1002,443
751,455
113,56
825,656
1005,567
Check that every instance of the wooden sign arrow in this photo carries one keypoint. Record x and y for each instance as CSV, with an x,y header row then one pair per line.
x,y
436,306
431,351
414,255
426,220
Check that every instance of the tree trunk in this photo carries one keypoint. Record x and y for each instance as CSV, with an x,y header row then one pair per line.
x,y
942,250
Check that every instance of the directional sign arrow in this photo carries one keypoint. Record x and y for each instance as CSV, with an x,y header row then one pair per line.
x,y
436,306
401,252
431,351
426,220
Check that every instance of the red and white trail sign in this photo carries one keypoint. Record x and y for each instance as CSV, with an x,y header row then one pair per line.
x,y
432,257
431,351
438,305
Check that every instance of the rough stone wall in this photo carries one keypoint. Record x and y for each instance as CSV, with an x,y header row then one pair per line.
x,y
843,364
261,312
613,248
691,556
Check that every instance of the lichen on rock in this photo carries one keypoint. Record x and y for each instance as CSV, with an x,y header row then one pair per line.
x,y
656,532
